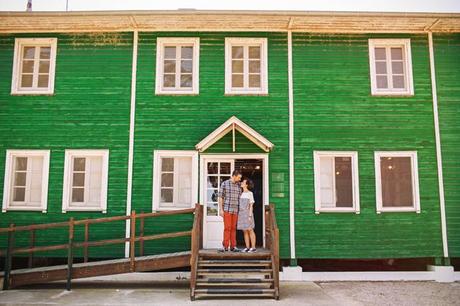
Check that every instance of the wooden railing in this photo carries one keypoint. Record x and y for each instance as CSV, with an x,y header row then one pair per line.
x,y
272,243
197,244
86,244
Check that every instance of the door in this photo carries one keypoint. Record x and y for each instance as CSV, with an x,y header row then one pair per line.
x,y
215,172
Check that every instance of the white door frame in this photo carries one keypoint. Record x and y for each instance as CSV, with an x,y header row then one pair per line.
x,y
265,189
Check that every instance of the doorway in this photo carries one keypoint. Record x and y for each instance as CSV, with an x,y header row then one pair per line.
x,y
217,168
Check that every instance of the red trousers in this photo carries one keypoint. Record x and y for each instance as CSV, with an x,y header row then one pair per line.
x,y
230,221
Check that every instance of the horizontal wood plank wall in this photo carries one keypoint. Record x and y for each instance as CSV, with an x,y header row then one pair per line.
x,y
180,122
447,60
334,110
89,110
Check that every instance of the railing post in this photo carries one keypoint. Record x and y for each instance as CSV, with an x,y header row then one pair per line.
x,y
132,241
70,255
8,258
31,245
141,234
85,249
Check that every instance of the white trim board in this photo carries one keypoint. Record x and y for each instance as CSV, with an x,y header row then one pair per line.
x,y
376,276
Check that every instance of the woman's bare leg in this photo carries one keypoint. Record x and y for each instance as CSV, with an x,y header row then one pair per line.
x,y
246,239
253,238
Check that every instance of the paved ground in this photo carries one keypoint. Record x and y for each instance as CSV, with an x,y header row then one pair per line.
x,y
122,291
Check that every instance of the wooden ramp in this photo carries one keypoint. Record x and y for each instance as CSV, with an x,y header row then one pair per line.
x,y
98,268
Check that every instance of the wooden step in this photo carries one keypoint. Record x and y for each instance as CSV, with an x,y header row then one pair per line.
x,y
214,254
234,263
228,282
203,272
234,292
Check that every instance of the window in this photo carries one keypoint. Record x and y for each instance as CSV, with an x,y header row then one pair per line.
x,y
26,180
396,179
177,66
246,66
175,179
336,181
85,180
34,65
390,67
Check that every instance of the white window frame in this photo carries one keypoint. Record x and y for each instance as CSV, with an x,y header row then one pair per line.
x,y
7,186
246,41
69,154
415,183
407,66
17,66
157,156
173,41
355,181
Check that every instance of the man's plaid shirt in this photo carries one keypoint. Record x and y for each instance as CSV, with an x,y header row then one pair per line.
x,y
230,192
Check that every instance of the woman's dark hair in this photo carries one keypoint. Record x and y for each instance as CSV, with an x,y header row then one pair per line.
x,y
249,183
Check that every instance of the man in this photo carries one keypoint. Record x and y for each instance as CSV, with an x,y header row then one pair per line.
x,y
229,201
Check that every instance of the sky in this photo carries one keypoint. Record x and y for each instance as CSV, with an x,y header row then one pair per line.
x,y
442,6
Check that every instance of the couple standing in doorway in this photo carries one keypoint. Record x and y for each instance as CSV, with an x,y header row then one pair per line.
x,y
236,203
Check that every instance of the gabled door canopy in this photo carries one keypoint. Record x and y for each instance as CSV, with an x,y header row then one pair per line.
x,y
234,124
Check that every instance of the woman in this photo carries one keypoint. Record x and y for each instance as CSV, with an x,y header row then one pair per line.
x,y
246,216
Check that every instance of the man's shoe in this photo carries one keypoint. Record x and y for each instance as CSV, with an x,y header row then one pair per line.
x,y
222,250
235,250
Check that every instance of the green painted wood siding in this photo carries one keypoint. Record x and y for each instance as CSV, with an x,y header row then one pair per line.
x,y
180,122
89,110
335,111
447,60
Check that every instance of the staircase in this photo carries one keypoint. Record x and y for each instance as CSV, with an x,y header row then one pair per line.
x,y
235,275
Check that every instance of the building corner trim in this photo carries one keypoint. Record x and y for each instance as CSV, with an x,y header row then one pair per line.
x,y
291,149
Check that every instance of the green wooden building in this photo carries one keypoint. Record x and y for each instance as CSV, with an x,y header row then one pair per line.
x,y
346,122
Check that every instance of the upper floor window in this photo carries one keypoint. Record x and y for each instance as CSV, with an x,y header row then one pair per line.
x,y
336,181
396,180
34,66
390,67
26,180
177,66
85,180
175,179
246,66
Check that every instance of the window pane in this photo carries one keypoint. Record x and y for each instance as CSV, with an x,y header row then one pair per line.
x,y
21,163
167,180
166,196
237,66
95,196
28,66
382,81
187,52
169,80
186,66
79,164
398,81
29,52
254,66
26,80
186,80
19,194
343,182
45,52
237,52
212,182
43,80
254,52
44,67
20,179
254,80
167,164
381,67
78,179
396,175
396,53
212,209
170,66
326,182
170,53
212,168
223,179
237,80
380,53
78,195
225,168
397,67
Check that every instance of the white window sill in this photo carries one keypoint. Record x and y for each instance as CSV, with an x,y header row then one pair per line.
x,y
176,93
398,209
32,93
170,208
83,209
336,210
246,93
24,209
392,94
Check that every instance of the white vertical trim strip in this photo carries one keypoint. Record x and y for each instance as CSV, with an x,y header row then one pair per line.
x,y
438,147
291,148
131,138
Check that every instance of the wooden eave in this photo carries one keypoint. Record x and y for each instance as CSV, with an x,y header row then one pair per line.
x,y
234,124
208,20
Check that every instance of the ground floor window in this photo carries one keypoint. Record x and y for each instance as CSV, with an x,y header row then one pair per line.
x,y
85,180
336,181
175,175
396,179
26,180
